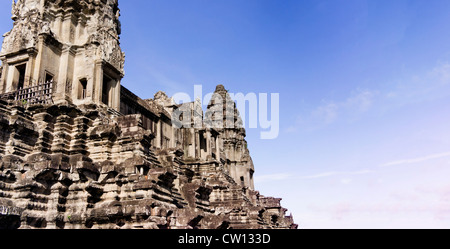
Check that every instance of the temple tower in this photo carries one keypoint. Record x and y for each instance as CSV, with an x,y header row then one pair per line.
x,y
72,44
223,115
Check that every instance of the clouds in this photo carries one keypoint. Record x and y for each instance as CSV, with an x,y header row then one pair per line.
x,y
271,178
326,113
357,103
337,173
285,176
388,195
164,80
441,74
416,160
428,85
423,86
345,175
373,211
331,111
417,206
384,197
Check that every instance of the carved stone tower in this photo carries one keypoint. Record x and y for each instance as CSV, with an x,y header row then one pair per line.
x,y
239,164
68,162
74,44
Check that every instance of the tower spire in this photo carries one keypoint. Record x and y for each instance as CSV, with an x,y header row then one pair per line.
x,y
74,44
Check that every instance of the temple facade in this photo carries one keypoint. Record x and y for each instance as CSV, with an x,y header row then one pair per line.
x,y
78,150
72,43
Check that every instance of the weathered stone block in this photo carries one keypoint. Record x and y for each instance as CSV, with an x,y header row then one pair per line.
x,y
91,154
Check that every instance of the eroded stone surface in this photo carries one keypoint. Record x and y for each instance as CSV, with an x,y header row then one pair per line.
x,y
73,167
95,155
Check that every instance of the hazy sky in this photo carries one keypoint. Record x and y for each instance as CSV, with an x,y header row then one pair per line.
x,y
364,95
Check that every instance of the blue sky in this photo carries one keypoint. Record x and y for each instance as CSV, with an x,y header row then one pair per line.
x,y
364,96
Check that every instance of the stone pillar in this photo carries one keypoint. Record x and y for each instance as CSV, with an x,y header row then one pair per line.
x,y
64,80
57,25
191,142
218,148
78,29
251,176
29,71
9,79
208,151
3,78
38,61
158,134
97,87
197,144
173,142
115,99
67,28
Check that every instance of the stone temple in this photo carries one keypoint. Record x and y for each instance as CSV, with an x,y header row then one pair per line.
x,y
78,150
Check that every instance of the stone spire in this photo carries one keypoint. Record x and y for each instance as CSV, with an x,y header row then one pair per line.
x,y
222,111
223,115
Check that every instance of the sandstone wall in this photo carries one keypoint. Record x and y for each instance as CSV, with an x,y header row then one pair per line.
x,y
80,167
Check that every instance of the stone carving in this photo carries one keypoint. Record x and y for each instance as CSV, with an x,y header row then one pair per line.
x,y
80,167
15,41
111,51
26,27
103,26
87,165
46,28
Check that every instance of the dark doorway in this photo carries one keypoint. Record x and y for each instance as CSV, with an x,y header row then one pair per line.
x,y
82,89
105,89
48,78
21,80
